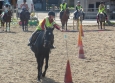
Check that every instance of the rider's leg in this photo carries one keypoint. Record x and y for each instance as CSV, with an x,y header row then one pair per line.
x,y
83,15
75,14
61,13
33,37
2,16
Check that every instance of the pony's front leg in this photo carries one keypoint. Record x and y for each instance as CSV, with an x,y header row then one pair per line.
x,y
78,24
73,24
39,67
9,26
6,26
2,26
98,25
104,24
62,22
46,66
101,24
66,25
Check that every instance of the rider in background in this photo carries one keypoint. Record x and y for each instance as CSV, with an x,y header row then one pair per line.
x,y
101,9
63,7
79,8
46,22
24,5
6,8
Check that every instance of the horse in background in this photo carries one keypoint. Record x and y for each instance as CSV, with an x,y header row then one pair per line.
x,y
64,18
24,17
101,20
78,18
41,49
6,19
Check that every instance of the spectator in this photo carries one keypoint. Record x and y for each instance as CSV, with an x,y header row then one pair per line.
x,y
24,5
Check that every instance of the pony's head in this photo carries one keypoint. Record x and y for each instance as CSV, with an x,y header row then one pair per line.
x,y
48,35
101,17
67,11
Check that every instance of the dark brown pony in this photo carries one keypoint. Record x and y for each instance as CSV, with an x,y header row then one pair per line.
x,y
6,19
64,18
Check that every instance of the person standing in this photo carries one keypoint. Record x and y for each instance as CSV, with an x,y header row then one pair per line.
x,y
24,5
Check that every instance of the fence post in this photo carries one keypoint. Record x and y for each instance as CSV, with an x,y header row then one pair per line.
x,y
13,11
108,12
53,7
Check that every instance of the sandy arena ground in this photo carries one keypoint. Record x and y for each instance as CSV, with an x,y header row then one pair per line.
x,y
18,64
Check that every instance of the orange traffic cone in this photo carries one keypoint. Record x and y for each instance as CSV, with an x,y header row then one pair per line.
x,y
81,29
81,53
80,40
68,77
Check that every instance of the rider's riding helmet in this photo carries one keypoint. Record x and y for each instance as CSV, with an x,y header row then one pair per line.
x,y
7,5
51,13
78,1
102,2
64,1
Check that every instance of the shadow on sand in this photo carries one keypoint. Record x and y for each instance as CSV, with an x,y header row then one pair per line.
x,y
45,80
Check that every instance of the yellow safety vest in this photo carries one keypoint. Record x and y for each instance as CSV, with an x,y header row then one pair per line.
x,y
63,6
78,7
101,9
47,24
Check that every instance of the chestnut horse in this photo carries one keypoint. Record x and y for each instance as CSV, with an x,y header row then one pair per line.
x,y
64,18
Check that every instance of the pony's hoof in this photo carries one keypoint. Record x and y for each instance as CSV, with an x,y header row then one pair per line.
x,y
38,81
43,75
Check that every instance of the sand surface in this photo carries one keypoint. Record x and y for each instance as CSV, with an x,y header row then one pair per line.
x,y
18,63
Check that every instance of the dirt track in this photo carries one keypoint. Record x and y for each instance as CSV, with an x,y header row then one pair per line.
x,y
18,64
